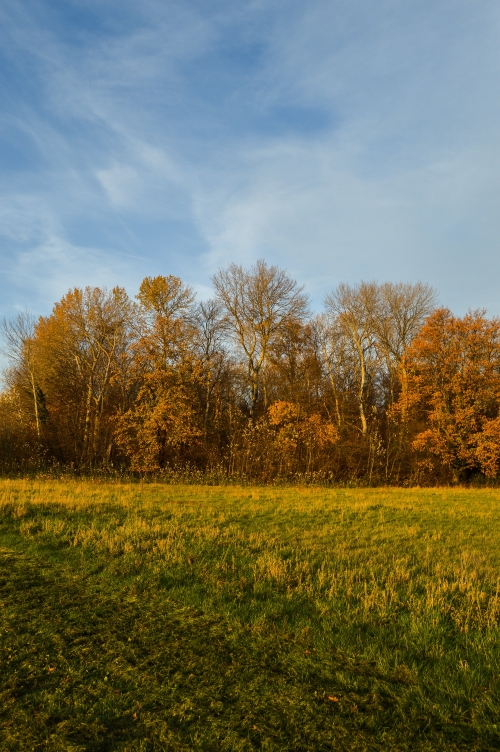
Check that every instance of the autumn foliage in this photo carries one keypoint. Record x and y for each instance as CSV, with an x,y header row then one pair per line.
x,y
453,396
381,387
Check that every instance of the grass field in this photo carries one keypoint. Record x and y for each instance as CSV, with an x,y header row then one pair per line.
x,y
154,617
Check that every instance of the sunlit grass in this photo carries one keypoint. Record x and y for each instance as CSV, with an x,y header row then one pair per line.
x,y
248,618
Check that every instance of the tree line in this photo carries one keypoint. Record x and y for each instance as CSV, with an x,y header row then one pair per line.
x,y
381,387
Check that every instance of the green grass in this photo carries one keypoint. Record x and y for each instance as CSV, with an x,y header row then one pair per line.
x,y
182,618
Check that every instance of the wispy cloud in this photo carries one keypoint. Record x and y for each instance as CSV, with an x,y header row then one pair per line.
x,y
343,141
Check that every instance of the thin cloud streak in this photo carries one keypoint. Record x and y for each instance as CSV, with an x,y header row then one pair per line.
x,y
345,141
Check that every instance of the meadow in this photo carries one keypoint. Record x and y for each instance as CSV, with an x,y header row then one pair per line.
x,y
163,617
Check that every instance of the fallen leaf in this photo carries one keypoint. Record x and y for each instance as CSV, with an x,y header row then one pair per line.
x,y
333,699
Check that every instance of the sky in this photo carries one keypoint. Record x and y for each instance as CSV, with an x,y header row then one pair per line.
x,y
343,141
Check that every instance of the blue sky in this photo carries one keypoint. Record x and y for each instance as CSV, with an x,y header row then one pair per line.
x,y
342,140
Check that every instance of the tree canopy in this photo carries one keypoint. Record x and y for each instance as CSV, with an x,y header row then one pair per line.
x,y
381,387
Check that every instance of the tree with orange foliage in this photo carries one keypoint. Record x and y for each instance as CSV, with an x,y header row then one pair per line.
x,y
452,402
299,436
163,419
78,349
161,423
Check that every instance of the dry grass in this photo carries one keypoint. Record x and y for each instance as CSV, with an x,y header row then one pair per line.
x,y
386,600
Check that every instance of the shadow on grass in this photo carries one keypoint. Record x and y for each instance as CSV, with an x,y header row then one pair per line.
x,y
87,668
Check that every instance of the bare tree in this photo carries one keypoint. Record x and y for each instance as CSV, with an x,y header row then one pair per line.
x,y
18,336
333,350
211,328
397,317
258,303
353,309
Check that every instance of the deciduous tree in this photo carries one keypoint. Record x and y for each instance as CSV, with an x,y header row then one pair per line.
x,y
352,308
259,303
453,395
